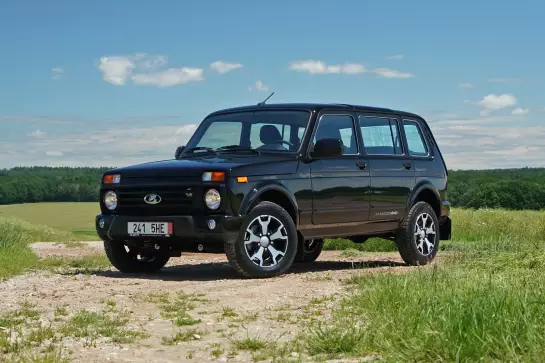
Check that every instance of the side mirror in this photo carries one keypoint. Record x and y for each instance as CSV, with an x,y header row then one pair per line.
x,y
179,151
328,148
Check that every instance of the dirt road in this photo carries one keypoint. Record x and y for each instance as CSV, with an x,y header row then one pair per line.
x,y
236,315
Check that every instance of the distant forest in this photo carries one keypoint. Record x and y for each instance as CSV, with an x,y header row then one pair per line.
x,y
505,188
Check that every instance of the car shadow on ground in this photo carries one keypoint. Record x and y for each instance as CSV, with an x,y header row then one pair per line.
x,y
214,271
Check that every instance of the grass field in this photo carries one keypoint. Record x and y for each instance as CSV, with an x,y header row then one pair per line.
x,y
78,218
484,302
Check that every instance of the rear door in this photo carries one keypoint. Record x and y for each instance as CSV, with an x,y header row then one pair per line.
x,y
426,167
340,185
391,169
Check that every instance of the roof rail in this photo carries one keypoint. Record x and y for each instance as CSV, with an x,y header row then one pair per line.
x,y
342,104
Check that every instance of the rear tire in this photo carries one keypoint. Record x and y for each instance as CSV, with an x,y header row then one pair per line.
x,y
267,242
309,250
132,261
418,236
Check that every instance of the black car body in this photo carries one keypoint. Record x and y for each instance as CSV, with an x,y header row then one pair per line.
x,y
336,171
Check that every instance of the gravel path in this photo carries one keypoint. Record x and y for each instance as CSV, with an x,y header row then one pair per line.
x,y
269,308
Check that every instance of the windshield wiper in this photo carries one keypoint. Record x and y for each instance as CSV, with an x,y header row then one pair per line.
x,y
237,148
200,148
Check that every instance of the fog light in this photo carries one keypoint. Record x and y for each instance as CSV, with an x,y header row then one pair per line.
x,y
101,223
211,224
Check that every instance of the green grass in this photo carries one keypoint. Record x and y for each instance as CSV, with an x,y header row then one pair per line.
x,y
78,219
109,323
468,226
175,307
477,306
182,336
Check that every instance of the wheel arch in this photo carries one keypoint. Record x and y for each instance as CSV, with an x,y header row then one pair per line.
x,y
275,193
426,193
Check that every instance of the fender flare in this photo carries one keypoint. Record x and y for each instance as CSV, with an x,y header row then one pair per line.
x,y
418,189
259,189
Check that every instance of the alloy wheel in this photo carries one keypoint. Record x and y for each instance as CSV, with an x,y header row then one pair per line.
x,y
425,234
266,241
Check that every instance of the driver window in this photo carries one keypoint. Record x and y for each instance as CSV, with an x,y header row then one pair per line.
x,y
340,127
270,136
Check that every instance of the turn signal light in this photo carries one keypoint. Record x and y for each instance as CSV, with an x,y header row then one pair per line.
x,y
214,176
112,179
242,179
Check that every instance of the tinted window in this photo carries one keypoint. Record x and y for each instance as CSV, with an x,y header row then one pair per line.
x,y
338,127
415,140
255,131
380,136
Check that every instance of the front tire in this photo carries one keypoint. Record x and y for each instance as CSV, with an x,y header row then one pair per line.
x,y
418,237
130,260
267,243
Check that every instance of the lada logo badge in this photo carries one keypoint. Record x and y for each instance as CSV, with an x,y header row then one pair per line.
x,y
152,199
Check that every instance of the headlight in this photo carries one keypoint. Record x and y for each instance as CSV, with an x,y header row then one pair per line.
x,y
212,199
110,200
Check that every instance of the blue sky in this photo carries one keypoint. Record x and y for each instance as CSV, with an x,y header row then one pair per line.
x,y
119,82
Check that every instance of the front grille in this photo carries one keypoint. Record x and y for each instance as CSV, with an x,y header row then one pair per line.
x,y
175,200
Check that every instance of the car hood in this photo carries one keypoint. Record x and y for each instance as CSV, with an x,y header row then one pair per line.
x,y
195,166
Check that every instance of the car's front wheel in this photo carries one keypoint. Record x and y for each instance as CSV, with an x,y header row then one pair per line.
x,y
133,260
418,238
267,242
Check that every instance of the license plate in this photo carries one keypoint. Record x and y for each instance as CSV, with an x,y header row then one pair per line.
x,y
149,228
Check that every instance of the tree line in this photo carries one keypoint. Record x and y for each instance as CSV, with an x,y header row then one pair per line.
x,y
498,188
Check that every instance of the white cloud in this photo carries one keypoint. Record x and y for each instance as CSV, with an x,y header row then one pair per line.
x,y
115,146
142,68
170,77
318,67
516,151
465,85
520,111
490,142
116,69
504,80
56,73
391,73
396,57
494,102
353,68
224,67
36,133
259,86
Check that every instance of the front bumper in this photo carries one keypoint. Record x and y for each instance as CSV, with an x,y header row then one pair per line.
x,y
185,228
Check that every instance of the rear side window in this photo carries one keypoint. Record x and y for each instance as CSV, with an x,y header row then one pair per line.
x,y
415,139
380,136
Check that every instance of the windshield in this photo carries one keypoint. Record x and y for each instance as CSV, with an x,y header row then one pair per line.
x,y
278,131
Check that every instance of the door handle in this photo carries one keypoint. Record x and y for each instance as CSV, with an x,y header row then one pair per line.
x,y
407,165
361,164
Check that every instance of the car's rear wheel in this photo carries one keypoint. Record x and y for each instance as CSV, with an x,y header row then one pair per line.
x,y
418,237
309,250
267,242
135,260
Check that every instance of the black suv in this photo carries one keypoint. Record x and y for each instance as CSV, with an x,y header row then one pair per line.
x,y
267,183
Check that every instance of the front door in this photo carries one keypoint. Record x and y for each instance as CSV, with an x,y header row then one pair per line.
x,y
392,170
340,185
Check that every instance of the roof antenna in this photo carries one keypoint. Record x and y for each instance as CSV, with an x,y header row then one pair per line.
x,y
265,100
